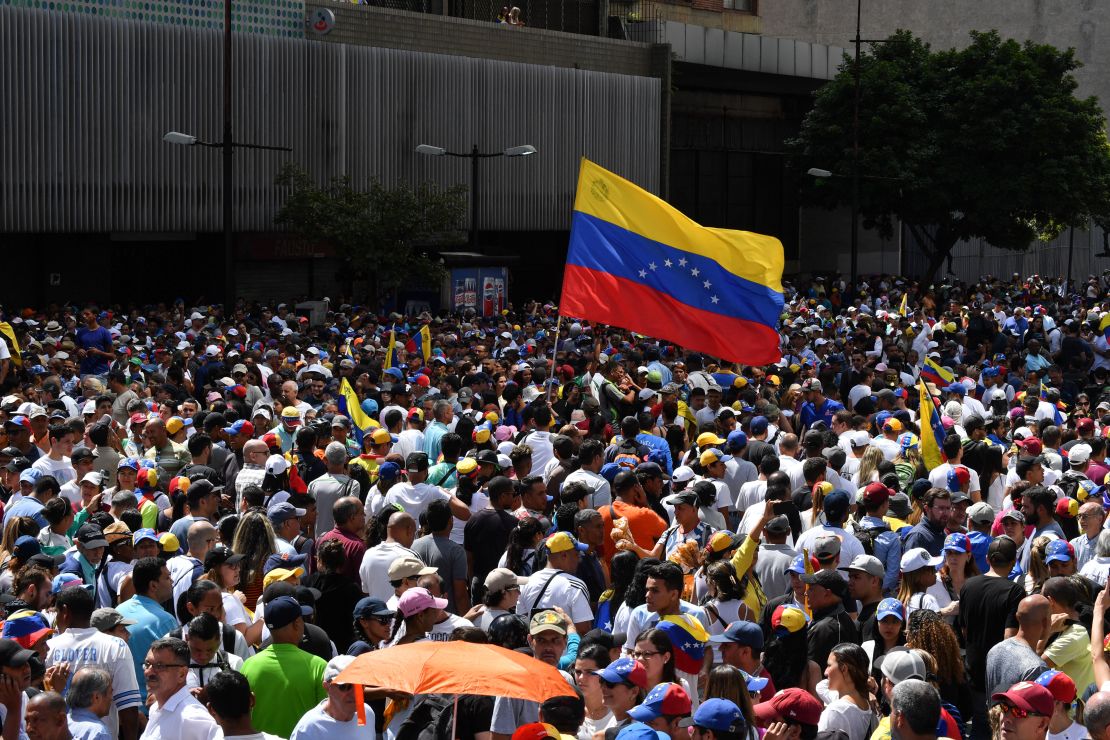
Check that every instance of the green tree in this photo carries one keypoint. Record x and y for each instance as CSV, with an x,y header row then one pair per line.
x,y
988,141
383,233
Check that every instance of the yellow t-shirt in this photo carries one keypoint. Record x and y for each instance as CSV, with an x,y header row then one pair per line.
x,y
1071,653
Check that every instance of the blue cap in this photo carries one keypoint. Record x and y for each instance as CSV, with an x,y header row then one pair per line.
x,y
640,731
283,611
389,471
836,505
797,565
664,699
741,632
237,427
624,670
30,475
282,560
758,424
754,683
956,388
395,372
736,441
609,471
25,548
720,715
881,417
1059,551
144,534
890,608
959,542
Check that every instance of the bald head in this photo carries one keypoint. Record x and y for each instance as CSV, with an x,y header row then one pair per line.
x,y
1096,716
253,446
401,527
202,537
1033,612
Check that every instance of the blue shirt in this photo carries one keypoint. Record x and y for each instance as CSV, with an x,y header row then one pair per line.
x,y
657,444
26,506
85,725
98,338
433,439
925,534
663,370
810,413
152,622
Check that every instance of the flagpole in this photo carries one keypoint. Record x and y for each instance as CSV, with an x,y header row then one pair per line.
x,y
554,351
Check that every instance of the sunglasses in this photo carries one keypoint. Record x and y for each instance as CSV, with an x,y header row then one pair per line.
x,y
611,684
1017,712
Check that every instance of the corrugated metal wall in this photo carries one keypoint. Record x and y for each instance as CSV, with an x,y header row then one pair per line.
x,y
87,100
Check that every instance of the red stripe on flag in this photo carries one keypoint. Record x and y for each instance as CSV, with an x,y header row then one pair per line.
x,y
599,296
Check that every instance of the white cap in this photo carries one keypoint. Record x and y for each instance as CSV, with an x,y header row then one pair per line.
x,y
859,438
918,558
682,474
276,465
211,350
1079,454
336,666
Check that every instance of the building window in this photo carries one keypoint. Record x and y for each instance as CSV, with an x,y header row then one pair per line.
x,y
747,6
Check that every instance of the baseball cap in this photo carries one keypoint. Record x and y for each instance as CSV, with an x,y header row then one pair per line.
x,y
389,471
62,581
1059,551
876,494
741,632
957,542
144,534
777,525
624,670
901,664
90,535
564,541
276,465
380,436
416,600
106,618
409,567
369,606
221,555
869,564
981,513
547,620
500,579
1032,697
836,505
664,699
708,439
798,564
712,455
336,666
1014,514
686,496
890,607
1059,684
26,627
826,548
788,619
283,512
829,579
758,424
283,611
736,441
720,715
795,705
25,548
13,655
918,558
682,474
290,416
639,731
538,731
244,426
1079,454
1067,508
416,462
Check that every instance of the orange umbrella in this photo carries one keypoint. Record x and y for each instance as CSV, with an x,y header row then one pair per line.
x,y
457,667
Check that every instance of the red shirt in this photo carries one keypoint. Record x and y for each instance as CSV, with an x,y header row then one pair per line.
x,y
353,549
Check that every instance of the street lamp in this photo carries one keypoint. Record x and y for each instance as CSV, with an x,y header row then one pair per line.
x,y
228,146
474,155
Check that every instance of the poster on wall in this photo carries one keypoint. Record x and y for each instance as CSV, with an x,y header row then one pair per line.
x,y
491,299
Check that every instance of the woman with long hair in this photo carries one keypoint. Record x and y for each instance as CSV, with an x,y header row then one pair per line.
x,y
725,604
417,612
959,565
890,632
919,573
523,541
254,539
225,573
850,711
868,466
590,660
815,515
729,682
17,527
1038,568
621,570
655,650
929,632
785,653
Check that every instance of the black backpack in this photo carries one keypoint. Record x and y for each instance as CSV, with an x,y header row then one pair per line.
x,y
868,535
429,719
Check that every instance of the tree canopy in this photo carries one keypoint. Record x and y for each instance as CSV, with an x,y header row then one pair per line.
x,y
989,141
384,233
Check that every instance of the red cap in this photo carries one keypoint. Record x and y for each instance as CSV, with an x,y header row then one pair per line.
x,y
139,418
796,705
423,381
1031,446
1059,684
271,440
1029,696
1085,426
962,474
876,493
535,731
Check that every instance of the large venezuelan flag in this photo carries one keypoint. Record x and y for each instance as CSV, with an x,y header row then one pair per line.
x,y
636,262
934,373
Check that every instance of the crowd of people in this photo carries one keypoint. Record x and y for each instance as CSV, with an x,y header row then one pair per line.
x,y
898,531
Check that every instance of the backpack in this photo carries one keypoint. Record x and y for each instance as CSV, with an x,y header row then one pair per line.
x,y
868,535
627,457
1070,482
426,718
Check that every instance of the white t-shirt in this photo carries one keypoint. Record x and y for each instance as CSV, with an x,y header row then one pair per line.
x,y
565,590
922,600
751,493
316,724
841,714
601,496
62,470
256,736
440,632
641,619
409,441
80,647
374,571
938,477
414,498
1074,731
540,442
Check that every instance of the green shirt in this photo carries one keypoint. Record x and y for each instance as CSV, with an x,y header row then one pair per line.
x,y
286,682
